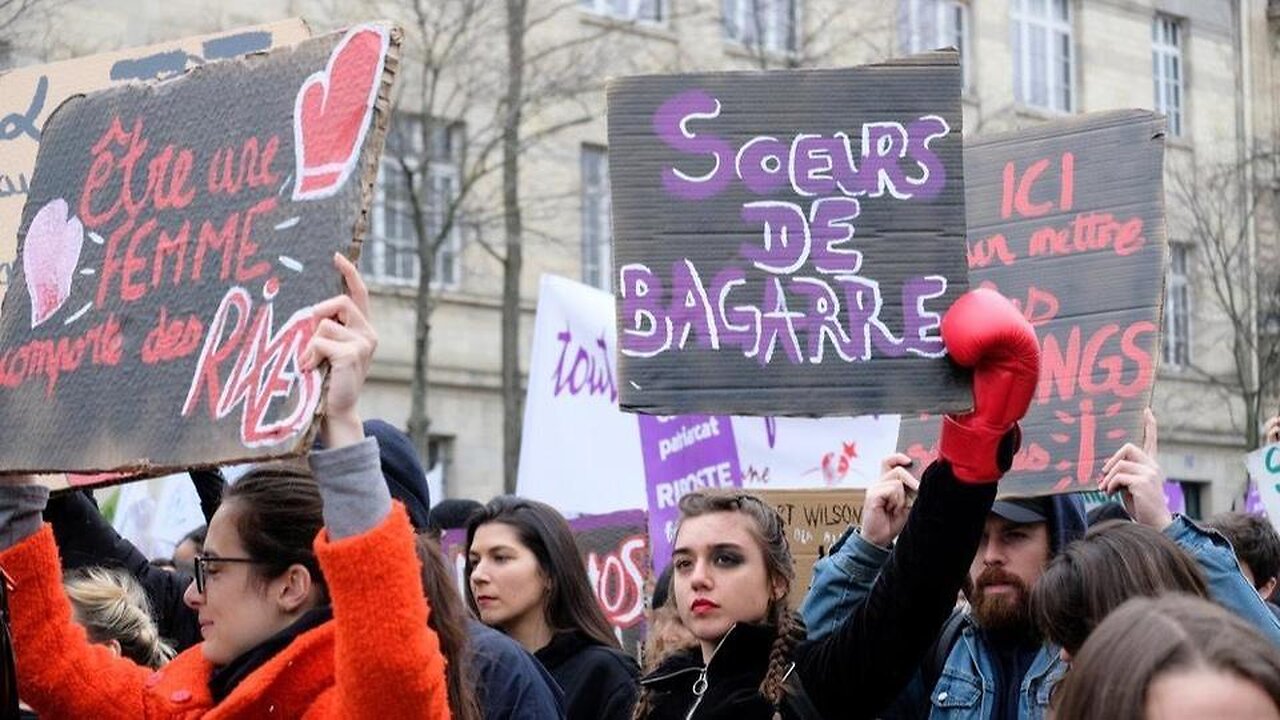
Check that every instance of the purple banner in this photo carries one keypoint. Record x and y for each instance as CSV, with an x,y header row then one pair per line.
x,y
1174,497
683,453
1253,500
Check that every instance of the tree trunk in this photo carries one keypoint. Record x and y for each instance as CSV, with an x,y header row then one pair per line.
x,y
419,426
513,261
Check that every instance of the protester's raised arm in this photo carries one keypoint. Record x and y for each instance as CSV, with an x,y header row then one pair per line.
x,y
59,672
870,657
1271,432
387,661
843,578
1136,475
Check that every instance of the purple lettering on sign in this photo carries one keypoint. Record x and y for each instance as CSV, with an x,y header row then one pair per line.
x,y
671,123
841,310
590,370
810,164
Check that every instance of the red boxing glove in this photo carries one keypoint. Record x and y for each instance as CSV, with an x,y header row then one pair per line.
x,y
984,331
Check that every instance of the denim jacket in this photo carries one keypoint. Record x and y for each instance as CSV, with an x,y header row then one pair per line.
x,y
966,687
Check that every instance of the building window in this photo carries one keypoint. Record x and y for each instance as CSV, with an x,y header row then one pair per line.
x,y
1166,69
1043,54
1177,308
597,257
931,24
391,254
767,24
645,10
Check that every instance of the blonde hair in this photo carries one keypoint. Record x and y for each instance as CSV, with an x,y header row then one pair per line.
x,y
112,606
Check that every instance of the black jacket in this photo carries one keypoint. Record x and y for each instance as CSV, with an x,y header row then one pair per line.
x,y
863,664
512,684
733,681
599,683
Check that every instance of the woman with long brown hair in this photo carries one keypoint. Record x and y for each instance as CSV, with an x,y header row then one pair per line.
x,y
526,578
1176,656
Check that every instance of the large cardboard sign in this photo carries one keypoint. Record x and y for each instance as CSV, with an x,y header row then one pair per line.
x,y
813,521
174,239
787,242
28,96
583,455
615,549
1067,220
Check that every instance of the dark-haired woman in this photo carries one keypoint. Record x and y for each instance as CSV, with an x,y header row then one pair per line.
x,y
1174,657
307,591
734,571
526,578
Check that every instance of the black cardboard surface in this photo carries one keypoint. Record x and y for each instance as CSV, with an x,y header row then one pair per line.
x,y
700,262
174,237
1095,303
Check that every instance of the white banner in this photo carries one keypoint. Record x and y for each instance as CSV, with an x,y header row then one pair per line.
x,y
583,455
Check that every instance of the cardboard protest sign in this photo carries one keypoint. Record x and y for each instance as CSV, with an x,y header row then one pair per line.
x,y
583,455
173,242
786,242
29,95
615,549
814,520
1264,471
1067,220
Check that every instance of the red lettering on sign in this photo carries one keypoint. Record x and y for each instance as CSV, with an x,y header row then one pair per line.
x,y
982,252
618,581
230,171
1016,188
171,340
266,368
55,357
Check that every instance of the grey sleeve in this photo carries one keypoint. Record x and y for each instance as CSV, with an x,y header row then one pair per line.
x,y
355,494
20,508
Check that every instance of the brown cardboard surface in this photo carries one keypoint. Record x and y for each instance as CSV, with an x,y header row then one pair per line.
x,y
786,242
1067,220
175,236
814,520
29,95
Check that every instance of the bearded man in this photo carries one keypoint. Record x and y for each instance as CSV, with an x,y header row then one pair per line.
x,y
990,661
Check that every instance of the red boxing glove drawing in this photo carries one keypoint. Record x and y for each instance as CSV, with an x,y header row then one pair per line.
x,y
333,111
49,258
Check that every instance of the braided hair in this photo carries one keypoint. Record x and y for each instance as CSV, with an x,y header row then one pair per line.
x,y
768,529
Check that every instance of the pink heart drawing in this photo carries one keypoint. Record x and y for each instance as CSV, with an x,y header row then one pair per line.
x,y
49,258
332,112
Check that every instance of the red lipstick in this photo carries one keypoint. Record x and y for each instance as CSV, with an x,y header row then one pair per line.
x,y
701,606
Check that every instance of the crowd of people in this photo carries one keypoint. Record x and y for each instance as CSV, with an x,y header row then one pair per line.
x,y
318,588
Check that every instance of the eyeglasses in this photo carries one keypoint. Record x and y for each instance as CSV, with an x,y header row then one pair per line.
x,y
202,562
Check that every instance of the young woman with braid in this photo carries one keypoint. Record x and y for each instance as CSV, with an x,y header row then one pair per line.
x,y
733,568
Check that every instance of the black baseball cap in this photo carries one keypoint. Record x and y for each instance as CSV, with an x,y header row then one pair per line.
x,y
1023,510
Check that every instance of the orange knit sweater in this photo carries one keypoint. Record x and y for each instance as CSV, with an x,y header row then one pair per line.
x,y
376,659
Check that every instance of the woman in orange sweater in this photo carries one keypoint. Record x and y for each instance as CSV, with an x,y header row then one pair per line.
x,y
308,591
